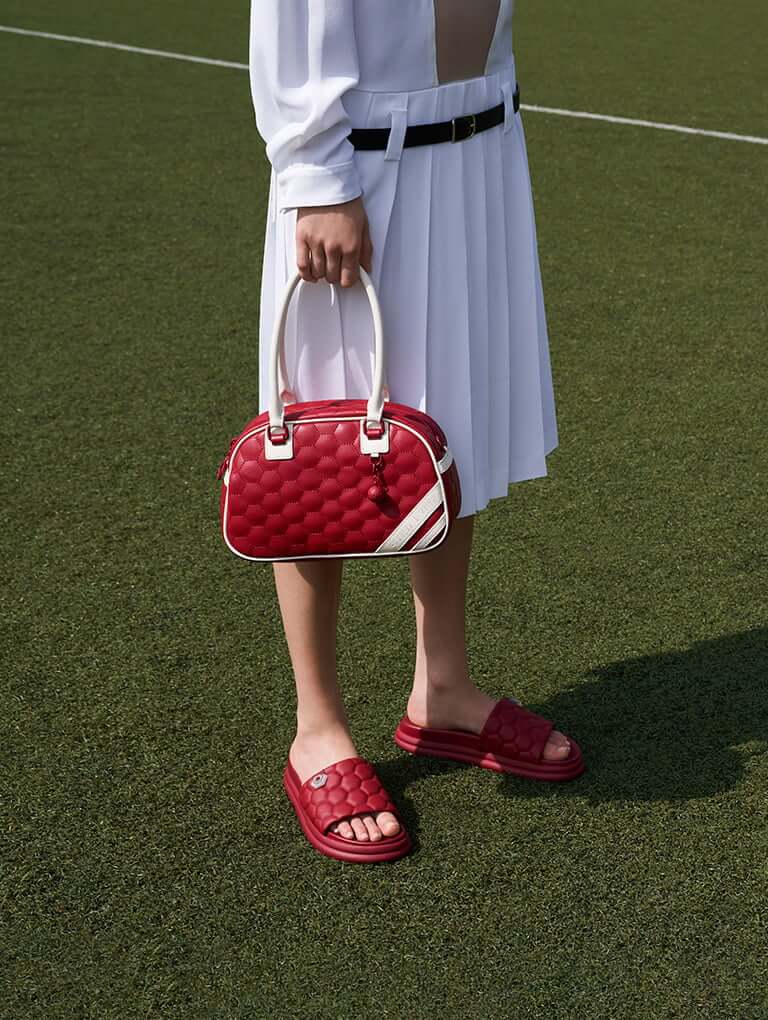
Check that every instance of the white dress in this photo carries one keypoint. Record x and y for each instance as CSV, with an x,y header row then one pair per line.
x,y
455,260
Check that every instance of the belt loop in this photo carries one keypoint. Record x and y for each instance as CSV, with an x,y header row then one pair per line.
x,y
398,122
509,104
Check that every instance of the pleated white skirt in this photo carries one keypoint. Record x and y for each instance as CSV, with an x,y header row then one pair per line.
x,y
456,269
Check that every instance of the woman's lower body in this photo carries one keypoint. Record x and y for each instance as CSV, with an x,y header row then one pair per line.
x,y
456,269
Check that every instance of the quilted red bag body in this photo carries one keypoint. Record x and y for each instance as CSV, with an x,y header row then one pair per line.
x,y
337,478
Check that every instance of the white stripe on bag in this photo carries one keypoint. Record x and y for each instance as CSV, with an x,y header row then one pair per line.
x,y
445,463
411,523
429,536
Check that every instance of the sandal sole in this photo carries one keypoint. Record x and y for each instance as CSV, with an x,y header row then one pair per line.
x,y
457,746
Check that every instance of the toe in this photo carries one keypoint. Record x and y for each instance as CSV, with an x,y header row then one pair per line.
x,y
374,832
387,823
557,747
343,829
360,830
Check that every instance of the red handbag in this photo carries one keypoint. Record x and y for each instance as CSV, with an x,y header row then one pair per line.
x,y
336,478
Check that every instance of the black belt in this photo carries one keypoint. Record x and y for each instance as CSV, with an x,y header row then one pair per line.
x,y
455,130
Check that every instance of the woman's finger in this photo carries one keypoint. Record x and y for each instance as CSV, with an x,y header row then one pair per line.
x,y
350,269
366,248
333,265
318,261
303,261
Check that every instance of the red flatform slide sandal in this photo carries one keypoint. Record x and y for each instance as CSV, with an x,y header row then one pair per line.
x,y
512,740
346,788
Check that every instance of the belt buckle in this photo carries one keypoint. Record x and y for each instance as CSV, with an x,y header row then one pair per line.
x,y
472,127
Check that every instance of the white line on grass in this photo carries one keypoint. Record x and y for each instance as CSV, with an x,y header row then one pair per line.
x,y
726,135
648,123
121,46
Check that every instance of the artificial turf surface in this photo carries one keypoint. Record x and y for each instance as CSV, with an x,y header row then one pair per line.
x,y
152,866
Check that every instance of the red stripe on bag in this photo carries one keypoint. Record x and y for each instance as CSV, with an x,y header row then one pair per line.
x,y
429,523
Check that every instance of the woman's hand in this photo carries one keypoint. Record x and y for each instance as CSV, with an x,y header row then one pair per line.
x,y
332,242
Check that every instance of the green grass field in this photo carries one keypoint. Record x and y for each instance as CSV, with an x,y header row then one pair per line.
x,y
152,865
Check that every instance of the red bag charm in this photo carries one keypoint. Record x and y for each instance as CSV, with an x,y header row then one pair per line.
x,y
337,478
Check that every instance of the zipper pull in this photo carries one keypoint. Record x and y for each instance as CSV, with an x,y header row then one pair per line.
x,y
378,491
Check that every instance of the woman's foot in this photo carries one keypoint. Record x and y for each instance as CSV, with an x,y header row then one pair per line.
x,y
465,707
311,752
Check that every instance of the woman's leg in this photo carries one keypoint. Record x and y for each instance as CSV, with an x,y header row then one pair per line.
x,y
443,693
309,592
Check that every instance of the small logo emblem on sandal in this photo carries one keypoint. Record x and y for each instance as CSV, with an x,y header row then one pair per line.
x,y
319,780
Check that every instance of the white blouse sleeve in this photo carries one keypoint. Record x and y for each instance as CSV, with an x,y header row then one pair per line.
x,y
302,58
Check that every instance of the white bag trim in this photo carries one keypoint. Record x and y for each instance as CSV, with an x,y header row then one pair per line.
x,y
413,520
429,536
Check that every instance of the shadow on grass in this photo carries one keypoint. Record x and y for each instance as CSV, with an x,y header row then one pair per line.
x,y
673,726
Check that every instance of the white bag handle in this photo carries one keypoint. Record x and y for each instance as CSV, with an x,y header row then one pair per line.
x,y
277,359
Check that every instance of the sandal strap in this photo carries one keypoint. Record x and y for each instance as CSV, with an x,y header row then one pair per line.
x,y
514,732
348,787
